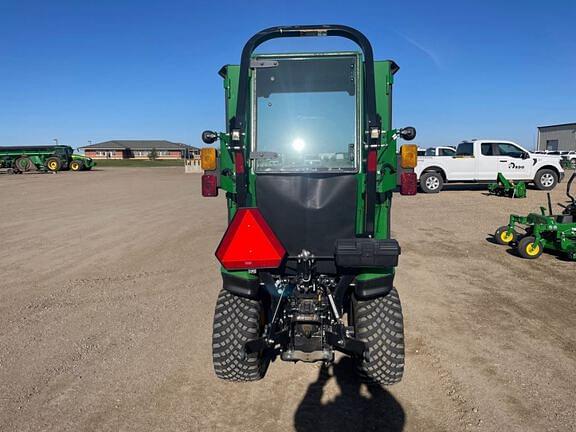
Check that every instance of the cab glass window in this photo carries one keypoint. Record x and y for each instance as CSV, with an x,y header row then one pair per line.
x,y
305,114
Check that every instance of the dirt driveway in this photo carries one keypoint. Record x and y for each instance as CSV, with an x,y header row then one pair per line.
x,y
108,282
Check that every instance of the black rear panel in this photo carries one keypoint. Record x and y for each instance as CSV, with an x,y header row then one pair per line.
x,y
308,211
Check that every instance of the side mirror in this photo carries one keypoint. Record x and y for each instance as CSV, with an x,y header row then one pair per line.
x,y
407,133
209,137
525,155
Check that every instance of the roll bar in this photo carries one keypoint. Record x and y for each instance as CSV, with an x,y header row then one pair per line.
x,y
238,123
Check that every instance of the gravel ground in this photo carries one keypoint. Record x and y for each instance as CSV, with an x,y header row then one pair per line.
x,y
106,301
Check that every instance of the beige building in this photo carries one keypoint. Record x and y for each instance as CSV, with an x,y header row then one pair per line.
x,y
140,149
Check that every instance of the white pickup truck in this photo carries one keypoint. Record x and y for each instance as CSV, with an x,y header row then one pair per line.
x,y
480,161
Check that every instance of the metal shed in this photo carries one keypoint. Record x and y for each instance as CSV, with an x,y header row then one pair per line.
x,y
559,137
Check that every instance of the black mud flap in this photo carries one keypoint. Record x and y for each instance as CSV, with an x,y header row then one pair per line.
x,y
373,288
248,288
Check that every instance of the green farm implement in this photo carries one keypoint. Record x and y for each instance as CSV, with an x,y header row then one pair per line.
x,y
543,231
508,188
308,163
21,159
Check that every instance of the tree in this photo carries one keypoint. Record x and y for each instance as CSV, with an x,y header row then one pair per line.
x,y
153,154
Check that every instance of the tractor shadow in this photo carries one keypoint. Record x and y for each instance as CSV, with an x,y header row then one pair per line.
x,y
353,409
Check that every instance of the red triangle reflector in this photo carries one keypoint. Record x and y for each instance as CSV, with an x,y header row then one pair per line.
x,y
249,243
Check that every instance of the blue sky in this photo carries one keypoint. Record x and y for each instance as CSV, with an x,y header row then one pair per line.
x,y
97,70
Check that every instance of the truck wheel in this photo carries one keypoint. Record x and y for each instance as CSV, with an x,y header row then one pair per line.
x,y
378,323
431,182
503,237
53,164
546,179
528,248
236,321
76,165
573,162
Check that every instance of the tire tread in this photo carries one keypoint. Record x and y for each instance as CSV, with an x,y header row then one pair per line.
x,y
379,324
236,321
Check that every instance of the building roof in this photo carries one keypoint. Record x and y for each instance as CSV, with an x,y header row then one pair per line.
x,y
139,145
571,125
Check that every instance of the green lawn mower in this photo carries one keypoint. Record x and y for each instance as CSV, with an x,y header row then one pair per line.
x,y
543,231
309,164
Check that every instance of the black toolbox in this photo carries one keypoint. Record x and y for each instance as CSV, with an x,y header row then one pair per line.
x,y
366,252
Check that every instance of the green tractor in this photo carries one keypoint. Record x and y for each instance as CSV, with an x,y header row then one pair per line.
x,y
71,161
543,231
80,162
309,164
21,159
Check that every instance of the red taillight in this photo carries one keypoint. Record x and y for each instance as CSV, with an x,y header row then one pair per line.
x,y
408,183
249,243
209,185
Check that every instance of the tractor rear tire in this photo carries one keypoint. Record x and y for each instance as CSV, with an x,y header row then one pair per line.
x,y
379,324
237,320
431,182
76,165
546,179
53,164
527,248
502,237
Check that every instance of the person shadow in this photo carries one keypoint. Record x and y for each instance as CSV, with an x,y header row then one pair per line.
x,y
351,410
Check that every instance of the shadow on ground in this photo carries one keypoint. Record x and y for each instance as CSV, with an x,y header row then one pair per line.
x,y
465,187
358,407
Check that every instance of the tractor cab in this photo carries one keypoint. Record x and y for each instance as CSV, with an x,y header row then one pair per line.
x,y
308,163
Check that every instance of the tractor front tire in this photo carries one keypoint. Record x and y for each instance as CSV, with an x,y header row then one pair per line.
x,y
431,182
503,237
76,165
379,324
546,179
237,320
528,248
